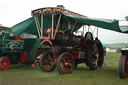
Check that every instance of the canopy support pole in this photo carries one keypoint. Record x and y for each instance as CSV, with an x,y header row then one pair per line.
x,y
38,25
41,25
52,24
74,25
57,25
97,32
88,28
83,30
69,25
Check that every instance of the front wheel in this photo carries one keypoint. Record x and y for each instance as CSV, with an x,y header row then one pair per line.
x,y
123,66
65,63
4,63
47,62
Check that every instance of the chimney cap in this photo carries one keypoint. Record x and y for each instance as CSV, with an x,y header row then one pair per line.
x,y
60,6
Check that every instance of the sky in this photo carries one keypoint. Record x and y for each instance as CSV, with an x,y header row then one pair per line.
x,y
15,11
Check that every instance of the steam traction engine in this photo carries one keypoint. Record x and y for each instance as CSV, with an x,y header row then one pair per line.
x,y
56,44
60,47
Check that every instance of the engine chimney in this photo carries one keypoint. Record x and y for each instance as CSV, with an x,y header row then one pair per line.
x,y
60,6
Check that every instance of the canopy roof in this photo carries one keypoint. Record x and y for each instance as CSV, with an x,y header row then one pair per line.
x,y
29,25
55,10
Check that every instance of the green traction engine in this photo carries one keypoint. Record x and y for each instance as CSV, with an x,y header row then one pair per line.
x,y
10,48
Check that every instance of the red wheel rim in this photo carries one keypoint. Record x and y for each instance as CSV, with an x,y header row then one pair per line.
x,y
126,67
5,63
66,64
23,57
49,63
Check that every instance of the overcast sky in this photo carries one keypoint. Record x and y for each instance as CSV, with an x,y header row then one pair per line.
x,y
15,11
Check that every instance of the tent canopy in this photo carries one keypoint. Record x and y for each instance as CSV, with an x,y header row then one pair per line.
x,y
29,25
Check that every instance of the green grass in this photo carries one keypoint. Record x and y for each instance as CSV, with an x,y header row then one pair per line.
x,y
25,75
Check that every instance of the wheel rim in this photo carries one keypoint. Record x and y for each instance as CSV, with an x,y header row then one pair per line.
x,y
66,64
4,63
126,67
48,62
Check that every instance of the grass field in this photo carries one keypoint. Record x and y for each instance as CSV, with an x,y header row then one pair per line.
x,y
25,75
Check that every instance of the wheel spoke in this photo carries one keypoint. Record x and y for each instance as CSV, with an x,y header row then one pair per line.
x,y
52,63
64,60
68,60
49,58
63,63
45,61
67,69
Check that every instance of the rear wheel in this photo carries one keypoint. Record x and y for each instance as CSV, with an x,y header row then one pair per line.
x,y
95,56
23,57
65,63
47,62
123,66
4,63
